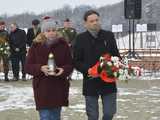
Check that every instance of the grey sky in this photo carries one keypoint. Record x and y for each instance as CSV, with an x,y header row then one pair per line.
x,y
38,6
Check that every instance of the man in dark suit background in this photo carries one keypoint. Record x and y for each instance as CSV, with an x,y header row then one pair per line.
x,y
88,48
33,31
17,42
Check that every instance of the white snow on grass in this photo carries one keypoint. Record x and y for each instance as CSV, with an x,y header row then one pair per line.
x,y
152,92
16,97
121,117
12,97
76,75
78,108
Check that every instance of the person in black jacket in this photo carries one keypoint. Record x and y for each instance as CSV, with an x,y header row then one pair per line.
x,y
33,32
88,48
17,42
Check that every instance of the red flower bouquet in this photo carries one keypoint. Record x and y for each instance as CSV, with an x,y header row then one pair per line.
x,y
110,68
106,68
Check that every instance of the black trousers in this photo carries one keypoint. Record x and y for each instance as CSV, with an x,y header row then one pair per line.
x,y
16,60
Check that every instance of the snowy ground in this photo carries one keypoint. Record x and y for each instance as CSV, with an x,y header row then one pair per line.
x,y
137,100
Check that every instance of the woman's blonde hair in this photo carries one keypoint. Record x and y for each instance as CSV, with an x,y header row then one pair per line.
x,y
41,38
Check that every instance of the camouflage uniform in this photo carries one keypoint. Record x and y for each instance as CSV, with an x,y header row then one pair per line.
x,y
68,33
4,51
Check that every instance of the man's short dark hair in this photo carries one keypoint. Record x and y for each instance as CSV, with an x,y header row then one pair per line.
x,y
35,22
88,13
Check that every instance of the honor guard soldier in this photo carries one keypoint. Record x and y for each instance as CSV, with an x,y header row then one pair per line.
x,y
68,32
4,49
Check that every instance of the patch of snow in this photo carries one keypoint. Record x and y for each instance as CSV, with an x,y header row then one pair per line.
x,y
20,97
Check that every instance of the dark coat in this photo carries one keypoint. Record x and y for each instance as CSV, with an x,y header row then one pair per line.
x,y
31,36
17,39
49,91
87,51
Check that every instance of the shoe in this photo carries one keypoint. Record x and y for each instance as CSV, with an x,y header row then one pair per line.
x,y
6,80
6,77
15,79
24,79
24,76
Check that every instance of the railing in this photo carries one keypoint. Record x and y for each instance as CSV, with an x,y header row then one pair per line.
x,y
149,59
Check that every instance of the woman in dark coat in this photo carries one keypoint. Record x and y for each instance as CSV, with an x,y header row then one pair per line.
x,y
50,91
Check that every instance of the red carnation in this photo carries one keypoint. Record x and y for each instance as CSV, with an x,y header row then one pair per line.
x,y
107,57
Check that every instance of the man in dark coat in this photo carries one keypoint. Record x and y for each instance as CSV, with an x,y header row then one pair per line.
x,y
88,48
17,42
4,49
50,90
33,32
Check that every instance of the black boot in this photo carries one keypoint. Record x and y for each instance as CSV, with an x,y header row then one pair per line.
x,y
6,77
24,77
15,78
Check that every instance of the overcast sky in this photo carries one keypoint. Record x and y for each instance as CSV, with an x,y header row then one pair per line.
x,y
38,6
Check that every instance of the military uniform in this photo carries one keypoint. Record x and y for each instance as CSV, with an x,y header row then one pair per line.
x,y
4,51
68,33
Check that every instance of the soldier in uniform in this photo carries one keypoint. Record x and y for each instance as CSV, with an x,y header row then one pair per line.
x,y
68,32
4,49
